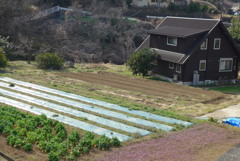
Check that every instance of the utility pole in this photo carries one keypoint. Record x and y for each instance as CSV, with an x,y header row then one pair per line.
x,y
221,7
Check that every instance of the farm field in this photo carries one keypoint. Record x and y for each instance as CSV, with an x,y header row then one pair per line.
x,y
150,87
112,84
204,142
123,89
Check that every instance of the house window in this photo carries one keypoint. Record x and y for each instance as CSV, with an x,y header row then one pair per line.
x,y
171,65
178,68
225,65
202,65
172,41
217,44
204,45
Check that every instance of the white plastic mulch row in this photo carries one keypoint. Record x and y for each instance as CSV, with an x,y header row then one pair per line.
x,y
100,120
89,107
64,119
97,102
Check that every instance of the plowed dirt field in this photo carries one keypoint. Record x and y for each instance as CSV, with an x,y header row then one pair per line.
x,y
148,87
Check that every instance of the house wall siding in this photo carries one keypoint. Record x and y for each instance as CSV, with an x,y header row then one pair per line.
x,y
183,45
212,58
162,68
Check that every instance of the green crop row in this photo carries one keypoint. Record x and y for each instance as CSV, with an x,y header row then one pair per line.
x,y
25,130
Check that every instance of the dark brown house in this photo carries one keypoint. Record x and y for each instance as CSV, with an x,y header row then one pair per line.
x,y
193,51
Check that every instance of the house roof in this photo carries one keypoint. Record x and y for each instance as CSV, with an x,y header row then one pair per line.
x,y
181,27
169,56
189,23
176,31
184,27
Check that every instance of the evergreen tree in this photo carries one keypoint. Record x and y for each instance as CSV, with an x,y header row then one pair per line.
x,y
141,62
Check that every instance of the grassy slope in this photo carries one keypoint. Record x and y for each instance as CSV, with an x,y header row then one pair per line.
x,y
230,89
28,72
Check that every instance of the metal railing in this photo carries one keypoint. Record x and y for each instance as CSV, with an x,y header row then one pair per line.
x,y
48,12
45,13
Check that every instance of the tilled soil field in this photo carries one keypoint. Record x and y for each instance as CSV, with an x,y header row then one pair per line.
x,y
149,87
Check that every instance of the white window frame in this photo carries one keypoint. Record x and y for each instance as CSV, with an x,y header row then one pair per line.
x,y
170,43
171,67
180,67
206,42
215,40
225,59
202,61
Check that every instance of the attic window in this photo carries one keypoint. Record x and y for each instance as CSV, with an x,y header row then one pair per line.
x,y
204,45
171,41
217,43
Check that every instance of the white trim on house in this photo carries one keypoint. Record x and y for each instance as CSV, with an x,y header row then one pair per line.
x,y
163,78
206,82
205,65
180,68
174,39
215,41
202,47
222,64
171,65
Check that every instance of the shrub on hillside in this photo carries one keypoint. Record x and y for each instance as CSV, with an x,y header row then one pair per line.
x,y
3,58
49,61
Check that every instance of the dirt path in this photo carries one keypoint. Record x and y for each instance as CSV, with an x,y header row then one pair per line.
x,y
232,111
150,87
4,157
231,155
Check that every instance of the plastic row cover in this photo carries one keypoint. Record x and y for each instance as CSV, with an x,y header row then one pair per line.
x,y
100,103
90,108
64,119
53,106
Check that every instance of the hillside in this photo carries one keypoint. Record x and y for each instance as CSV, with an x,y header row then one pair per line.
x,y
87,39
105,36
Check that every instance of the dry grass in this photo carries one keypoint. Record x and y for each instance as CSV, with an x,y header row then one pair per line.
x,y
135,99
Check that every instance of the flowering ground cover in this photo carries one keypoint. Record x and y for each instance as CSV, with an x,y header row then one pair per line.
x,y
200,143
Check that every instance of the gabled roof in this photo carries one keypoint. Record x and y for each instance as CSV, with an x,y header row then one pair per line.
x,y
184,27
182,32
189,23
181,27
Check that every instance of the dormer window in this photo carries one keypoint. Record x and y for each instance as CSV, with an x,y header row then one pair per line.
x,y
217,43
204,45
171,41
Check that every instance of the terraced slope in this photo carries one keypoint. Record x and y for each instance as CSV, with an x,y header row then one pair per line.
x,y
82,112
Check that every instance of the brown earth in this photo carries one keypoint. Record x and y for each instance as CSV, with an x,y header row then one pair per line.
x,y
204,142
149,87
20,155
